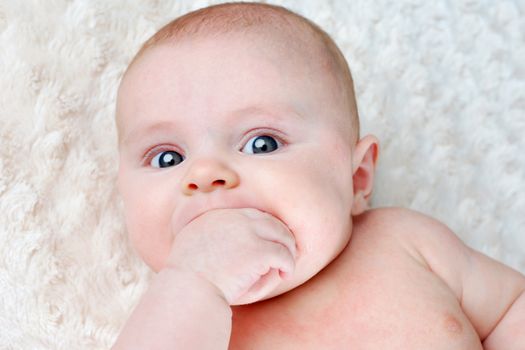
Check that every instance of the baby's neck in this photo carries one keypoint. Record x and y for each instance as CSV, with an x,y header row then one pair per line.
x,y
288,311
287,316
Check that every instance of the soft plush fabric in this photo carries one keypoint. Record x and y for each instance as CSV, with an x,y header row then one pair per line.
x,y
441,83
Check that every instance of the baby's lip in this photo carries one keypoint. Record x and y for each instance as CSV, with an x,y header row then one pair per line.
x,y
218,208
231,207
195,209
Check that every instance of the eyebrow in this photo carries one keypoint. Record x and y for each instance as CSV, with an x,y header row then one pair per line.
x,y
164,126
140,132
277,113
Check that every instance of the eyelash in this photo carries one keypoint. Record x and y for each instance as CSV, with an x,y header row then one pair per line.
x,y
279,136
152,152
156,150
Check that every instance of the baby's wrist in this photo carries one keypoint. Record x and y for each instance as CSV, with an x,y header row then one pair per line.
x,y
193,283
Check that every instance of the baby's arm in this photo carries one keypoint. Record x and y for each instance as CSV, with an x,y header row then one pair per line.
x,y
214,262
491,294
178,311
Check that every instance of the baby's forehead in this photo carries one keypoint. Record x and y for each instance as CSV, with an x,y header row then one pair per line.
x,y
287,48
297,42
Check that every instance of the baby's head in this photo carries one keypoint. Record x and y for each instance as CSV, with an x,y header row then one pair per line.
x,y
242,106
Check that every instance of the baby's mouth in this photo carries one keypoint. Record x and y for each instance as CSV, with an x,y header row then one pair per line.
x,y
263,211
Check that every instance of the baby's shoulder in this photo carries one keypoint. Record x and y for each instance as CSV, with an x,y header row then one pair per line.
x,y
398,218
425,239
405,225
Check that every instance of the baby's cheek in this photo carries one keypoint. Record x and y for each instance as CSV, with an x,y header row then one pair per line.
x,y
149,234
147,208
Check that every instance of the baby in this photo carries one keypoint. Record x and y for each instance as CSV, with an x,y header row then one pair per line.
x,y
246,188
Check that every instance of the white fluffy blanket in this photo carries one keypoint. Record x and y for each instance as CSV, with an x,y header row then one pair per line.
x,y
441,83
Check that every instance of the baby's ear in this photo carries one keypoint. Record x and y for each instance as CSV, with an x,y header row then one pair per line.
x,y
363,168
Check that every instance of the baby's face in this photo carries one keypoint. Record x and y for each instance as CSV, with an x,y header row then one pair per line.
x,y
240,109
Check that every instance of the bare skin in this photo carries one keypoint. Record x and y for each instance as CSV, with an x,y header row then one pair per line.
x,y
279,250
380,293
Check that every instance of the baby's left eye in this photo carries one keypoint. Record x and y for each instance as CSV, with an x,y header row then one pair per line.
x,y
261,144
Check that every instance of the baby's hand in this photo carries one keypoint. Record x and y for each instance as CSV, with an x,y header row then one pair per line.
x,y
234,249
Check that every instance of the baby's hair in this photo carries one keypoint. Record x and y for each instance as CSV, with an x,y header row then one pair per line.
x,y
245,17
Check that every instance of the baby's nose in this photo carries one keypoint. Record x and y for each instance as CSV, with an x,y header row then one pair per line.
x,y
207,175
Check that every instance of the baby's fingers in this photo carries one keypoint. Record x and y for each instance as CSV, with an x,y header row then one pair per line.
x,y
279,257
276,231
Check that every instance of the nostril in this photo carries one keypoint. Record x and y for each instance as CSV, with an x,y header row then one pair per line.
x,y
218,183
192,186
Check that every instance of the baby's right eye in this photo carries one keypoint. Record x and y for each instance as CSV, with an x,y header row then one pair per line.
x,y
166,159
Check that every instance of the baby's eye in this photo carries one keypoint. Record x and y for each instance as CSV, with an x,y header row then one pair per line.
x,y
261,144
166,159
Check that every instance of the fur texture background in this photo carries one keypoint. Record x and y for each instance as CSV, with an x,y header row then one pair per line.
x,y
441,83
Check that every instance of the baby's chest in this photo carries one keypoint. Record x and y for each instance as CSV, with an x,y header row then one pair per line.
x,y
395,307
